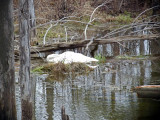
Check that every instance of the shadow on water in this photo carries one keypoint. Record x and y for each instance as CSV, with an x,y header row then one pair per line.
x,y
105,93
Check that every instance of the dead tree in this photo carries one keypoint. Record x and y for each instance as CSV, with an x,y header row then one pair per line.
x,y
25,81
7,75
32,19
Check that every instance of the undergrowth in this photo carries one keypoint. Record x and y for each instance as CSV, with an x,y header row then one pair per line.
x,y
102,59
66,68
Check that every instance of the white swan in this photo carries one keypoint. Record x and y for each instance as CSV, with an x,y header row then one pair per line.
x,y
69,57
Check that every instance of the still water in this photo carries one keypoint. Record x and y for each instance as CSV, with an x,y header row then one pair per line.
x,y
105,93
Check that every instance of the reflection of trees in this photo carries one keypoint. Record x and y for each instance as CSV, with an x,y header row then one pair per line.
x,y
49,92
99,95
41,99
134,48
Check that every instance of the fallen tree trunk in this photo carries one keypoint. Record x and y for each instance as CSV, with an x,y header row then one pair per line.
x,y
83,43
148,91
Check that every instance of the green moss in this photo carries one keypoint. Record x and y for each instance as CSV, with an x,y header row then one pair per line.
x,y
127,13
38,69
124,19
120,19
102,59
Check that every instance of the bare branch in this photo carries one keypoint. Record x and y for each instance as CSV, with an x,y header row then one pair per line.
x,y
66,33
120,5
91,20
91,41
58,21
129,27
144,12
44,38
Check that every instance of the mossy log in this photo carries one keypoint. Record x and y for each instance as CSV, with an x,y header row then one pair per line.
x,y
148,91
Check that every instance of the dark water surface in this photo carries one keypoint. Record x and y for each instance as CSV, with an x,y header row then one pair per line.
x,y
104,94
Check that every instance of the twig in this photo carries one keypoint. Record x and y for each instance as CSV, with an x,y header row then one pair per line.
x,y
120,5
66,33
58,38
144,12
36,51
149,17
121,45
123,28
140,15
61,20
91,41
143,30
73,37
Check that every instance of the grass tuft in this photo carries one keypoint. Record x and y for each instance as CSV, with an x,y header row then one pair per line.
x,y
102,59
60,70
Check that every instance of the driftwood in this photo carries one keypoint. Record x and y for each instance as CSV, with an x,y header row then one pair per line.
x,y
83,43
148,91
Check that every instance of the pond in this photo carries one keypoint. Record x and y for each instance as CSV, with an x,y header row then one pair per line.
x,y
107,93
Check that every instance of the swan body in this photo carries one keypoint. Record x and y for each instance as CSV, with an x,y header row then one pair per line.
x,y
69,57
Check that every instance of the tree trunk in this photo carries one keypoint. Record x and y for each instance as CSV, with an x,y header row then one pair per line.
x,y
7,75
26,89
32,19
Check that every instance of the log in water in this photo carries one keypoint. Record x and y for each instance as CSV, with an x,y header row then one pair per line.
x,y
148,91
83,43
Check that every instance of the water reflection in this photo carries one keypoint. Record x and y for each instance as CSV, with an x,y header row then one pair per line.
x,y
104,94
136,48
18,101
41,99
101,95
